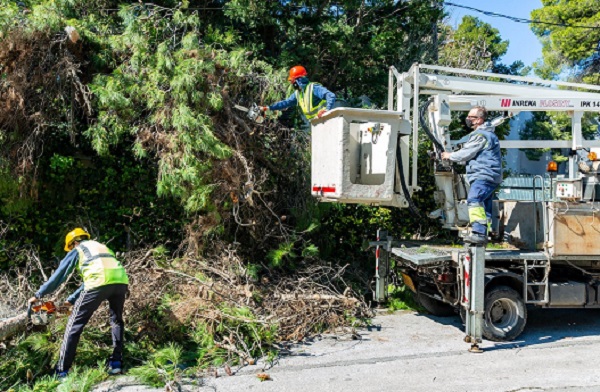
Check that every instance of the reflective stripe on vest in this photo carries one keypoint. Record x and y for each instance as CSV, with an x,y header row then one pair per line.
x,y
98,265
305,100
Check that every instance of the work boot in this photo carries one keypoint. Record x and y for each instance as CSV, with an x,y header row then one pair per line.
x,y
115,367
476,239
61,375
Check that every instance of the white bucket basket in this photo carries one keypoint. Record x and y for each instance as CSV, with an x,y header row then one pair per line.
x,y
354,156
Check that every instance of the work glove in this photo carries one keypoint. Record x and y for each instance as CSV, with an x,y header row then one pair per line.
x,y
583,167
32,300
263,108
321,113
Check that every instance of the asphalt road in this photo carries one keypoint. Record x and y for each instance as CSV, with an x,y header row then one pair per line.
x,y
405,351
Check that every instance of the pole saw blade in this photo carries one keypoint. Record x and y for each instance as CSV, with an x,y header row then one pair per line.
x,y
253,113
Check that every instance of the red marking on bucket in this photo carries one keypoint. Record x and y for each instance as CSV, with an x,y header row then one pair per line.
x,y
323,189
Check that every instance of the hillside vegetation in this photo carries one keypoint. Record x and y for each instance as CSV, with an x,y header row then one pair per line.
x,y
119,118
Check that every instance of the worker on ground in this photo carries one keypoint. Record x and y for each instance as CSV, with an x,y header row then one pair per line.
x,y
314,99
481,154
104,278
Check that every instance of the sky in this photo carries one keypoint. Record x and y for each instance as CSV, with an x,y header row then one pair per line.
x,y
523,44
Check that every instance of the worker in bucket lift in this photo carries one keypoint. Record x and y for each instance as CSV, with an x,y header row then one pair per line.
x,y
481,154
314,99
104,278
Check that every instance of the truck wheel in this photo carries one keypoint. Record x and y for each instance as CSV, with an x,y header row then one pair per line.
x,y
505,314
433,306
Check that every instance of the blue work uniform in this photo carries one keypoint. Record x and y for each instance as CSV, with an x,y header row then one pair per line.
x,y
481,154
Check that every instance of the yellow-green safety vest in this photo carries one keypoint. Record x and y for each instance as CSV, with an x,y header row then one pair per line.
x,y
305,100
99,266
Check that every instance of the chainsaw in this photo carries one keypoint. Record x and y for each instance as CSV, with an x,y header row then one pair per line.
x,y
41,313
253,113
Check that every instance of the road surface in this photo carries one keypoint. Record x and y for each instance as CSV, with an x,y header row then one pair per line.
x,y
407,351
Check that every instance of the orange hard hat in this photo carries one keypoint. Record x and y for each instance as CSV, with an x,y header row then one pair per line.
x,y
297,72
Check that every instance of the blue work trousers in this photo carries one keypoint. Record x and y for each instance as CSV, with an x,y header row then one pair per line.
x,y
479,202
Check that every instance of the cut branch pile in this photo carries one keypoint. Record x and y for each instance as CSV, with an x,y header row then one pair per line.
x,y
314,298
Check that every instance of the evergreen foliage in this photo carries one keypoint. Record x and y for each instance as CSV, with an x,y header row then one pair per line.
x,y
569,49
474,44
554,126
164,76
347,45
570,39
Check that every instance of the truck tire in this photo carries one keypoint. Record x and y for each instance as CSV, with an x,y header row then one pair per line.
x,y
433,306
505,314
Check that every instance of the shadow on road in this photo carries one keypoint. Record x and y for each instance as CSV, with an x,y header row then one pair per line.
x,y
555,325
543,326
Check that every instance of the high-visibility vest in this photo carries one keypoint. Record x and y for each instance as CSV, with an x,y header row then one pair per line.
x,y
305,100
99,266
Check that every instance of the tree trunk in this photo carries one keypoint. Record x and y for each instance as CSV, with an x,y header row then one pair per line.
x,y
13,325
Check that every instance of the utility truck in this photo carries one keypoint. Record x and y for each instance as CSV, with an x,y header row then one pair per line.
x,y
551,221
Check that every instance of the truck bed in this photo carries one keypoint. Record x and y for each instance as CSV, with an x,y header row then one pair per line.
x,y
423,255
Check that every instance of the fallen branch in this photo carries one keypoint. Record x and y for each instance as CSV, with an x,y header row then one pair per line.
x,y
13,325
315,297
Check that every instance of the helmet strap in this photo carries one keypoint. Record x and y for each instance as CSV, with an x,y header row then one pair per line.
x,y
75,242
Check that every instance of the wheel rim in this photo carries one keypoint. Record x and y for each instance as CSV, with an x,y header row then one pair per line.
x,y
503,314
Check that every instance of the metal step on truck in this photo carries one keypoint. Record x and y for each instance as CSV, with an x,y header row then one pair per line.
x,y
550,222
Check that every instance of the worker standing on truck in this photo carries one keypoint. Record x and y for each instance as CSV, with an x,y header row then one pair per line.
x,y
481,154
314,99
104,278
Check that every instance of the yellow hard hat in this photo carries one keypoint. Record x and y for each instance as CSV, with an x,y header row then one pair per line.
x,y
73,235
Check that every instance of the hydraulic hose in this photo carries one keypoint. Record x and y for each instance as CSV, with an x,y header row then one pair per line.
x,y
411,205
439,148
436,143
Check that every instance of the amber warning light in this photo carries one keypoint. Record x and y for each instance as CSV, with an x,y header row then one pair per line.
x,y
552,167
